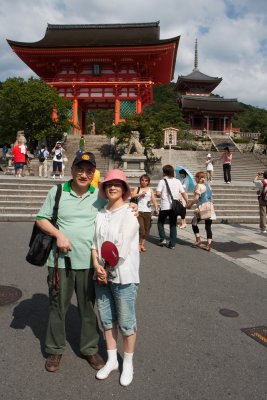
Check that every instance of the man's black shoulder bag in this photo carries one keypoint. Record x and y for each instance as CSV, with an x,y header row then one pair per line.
x,y
41,243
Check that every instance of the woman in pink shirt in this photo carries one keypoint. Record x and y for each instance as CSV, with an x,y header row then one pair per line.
x,y
227,160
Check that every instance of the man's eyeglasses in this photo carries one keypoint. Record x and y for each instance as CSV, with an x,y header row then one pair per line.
x,y
87,172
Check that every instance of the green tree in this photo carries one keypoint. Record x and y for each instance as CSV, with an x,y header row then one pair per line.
x,y
27,105
252,119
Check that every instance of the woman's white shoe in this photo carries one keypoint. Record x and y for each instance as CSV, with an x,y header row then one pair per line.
x,y
126,377
104,372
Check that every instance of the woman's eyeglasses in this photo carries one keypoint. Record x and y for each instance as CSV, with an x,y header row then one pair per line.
x,y
116,184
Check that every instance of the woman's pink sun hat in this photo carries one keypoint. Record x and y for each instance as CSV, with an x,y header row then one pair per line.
x,y
112,175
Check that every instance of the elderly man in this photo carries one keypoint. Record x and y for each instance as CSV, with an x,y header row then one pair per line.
x,y
77,211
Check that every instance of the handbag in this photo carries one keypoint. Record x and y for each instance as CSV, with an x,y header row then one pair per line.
x,y
135,199
176,206
40,243
205,210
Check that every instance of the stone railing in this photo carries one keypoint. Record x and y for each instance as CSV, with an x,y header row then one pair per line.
x,y
235,133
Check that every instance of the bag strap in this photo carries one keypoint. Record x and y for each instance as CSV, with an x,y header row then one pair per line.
x,y
168,189
55,209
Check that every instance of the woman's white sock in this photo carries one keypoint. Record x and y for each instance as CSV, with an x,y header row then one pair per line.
x,y
127,369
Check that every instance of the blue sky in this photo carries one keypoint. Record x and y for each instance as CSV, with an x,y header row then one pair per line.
x,y
232,35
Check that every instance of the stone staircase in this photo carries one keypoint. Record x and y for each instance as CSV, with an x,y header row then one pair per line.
x,y
244,166
220,142
20,199
98,144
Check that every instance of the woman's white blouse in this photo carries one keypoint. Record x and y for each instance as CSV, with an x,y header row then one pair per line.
x,y
120,227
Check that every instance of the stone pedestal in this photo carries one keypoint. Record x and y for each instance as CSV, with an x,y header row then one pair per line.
x,y
133,165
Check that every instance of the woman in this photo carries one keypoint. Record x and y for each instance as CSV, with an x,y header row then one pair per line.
x,y
202,194
176,189
116,293
209,167
144,196
185,183
227,161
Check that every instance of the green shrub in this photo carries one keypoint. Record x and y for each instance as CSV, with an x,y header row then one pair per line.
x,y
242,139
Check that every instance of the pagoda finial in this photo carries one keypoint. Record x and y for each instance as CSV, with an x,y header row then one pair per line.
x,y
196,56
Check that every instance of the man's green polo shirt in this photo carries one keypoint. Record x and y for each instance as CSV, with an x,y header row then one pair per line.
x,y
76,219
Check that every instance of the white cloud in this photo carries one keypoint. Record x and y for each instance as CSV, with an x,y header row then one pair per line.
x,y
231,35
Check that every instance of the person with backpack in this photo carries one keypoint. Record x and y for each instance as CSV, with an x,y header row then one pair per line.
x,y
4,151
260,181
42,155
58,155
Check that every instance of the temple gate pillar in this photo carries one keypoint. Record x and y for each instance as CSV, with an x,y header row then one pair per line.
x,y
231,124
138,106
117,112
54,114
75,115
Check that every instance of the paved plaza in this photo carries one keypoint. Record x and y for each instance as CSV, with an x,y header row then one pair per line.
x,y
242,244
186,349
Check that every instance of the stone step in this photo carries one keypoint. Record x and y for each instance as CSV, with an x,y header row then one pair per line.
x,y
19,210
7,192
22,204
231,219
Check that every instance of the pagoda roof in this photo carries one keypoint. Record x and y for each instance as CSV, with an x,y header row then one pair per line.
x,y
209,103
196,77
77,43
98,35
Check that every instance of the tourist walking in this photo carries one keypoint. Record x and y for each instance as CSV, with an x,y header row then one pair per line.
x,y
177,191
185,182
116,292
226,157
78,206
209,167
96,179
145,198
202,195
58,153
4,152
260,181
82,144
19,152
42,155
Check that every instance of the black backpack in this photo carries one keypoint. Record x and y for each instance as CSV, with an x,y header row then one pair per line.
x,y
41,156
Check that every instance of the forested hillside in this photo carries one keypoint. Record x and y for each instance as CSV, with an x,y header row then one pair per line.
x,y
166,112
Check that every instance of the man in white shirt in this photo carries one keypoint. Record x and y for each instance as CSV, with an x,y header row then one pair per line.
x,y
177,190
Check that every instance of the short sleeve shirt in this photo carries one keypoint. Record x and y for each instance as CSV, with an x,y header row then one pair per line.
x,y
176,188
76,219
